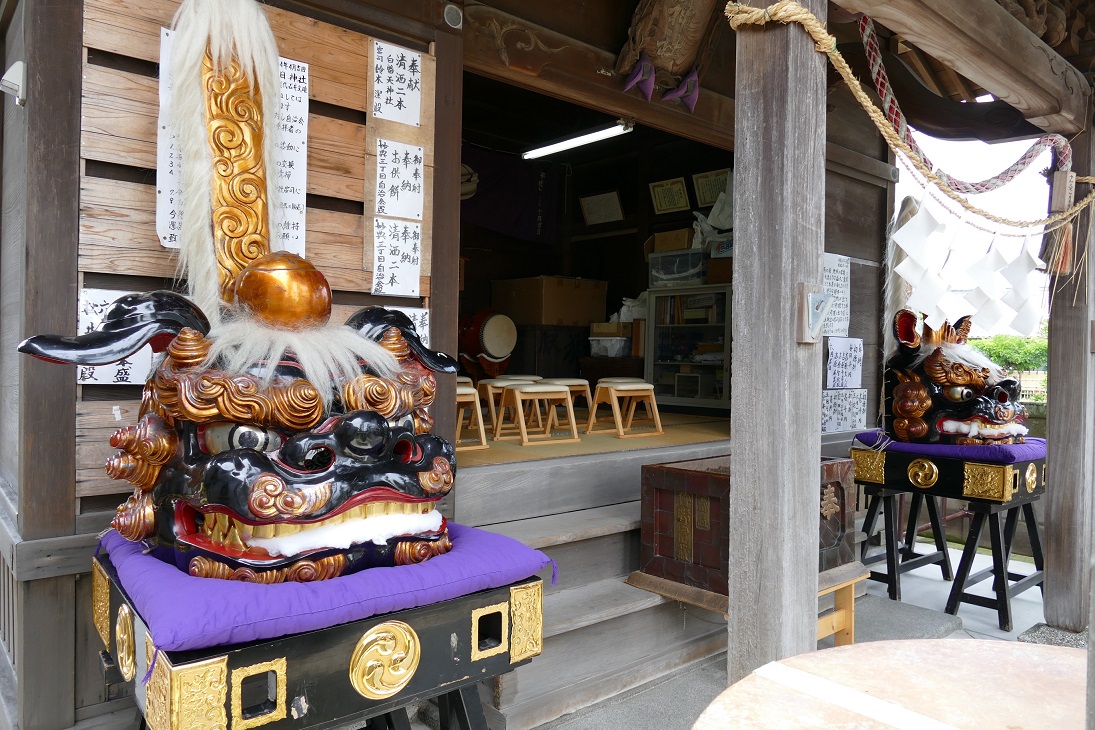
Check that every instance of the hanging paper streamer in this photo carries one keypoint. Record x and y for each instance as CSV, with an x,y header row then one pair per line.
x,y
397,257
132,370
397,84
400,177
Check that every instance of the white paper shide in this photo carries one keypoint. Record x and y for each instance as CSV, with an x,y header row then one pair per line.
x,y
397,84
397,257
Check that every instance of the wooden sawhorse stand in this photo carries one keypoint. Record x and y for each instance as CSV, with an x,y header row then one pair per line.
x,y
1001,537
884,499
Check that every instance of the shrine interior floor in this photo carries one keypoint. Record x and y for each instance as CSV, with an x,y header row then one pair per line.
x,y
675,702
678,429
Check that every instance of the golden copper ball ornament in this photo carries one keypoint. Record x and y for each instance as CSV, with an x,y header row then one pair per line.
x,y
284,291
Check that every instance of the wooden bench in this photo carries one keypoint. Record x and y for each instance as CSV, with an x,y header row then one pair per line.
x,y
841,582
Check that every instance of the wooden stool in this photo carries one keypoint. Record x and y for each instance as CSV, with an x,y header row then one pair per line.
x,y
632,394
517,395
841,582
491,391
528,378
578,387
468,399
903,559
464,380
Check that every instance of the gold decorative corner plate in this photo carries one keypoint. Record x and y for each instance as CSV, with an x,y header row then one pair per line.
x,y
100,602
384,660
923,473
125,643
870,466
987,481
278,667
188,696
503,646
526,605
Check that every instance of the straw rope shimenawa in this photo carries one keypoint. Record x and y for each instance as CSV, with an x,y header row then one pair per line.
x,y
789,11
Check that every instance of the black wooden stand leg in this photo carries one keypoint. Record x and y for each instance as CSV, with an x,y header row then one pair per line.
x,y
909,549
940,538
869,521
463,706
1000,572
1035,541
394,720
974,537
894,577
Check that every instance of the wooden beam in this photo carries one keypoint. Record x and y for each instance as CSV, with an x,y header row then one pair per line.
x,y
510,49
444,286
918,63
983,42
779,204
1070,428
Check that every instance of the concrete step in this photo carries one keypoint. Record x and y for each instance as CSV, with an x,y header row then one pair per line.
x,y
576,608
588,545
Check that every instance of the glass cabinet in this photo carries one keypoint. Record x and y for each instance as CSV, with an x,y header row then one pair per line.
x,y
688,345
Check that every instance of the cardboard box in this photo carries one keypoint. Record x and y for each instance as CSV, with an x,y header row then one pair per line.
x,y
720,271
673,240
553,300
610,329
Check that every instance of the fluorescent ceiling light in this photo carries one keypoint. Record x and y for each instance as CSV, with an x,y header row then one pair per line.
x,y
620,127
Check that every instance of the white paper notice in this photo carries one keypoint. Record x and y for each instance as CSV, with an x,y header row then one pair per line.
x,y
289,170
168,157
128,371
397,257
838,282
845,366
291,163
400,176
397,83
421,319
843,410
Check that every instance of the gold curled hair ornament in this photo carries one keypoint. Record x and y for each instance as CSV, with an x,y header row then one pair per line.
x,y
943,371
241,232
148,440
910,396
189,349
391,399
439,479
211,395
269,498
304,571
409,552
136,517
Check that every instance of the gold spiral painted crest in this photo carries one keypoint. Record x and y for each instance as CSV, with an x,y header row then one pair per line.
x,y
125,643
923,473
385,660
1031,478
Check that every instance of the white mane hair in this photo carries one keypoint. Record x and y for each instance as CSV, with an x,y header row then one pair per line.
x,y
327,355
965,354
227,28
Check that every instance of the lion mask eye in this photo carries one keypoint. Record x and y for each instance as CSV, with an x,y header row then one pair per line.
x,y
218,437
958,394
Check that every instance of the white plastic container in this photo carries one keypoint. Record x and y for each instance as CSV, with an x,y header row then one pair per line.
x,y
610,346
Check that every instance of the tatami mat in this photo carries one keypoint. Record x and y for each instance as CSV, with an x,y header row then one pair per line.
x,y
678,429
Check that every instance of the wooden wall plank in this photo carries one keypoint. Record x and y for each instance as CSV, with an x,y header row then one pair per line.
x,y
779,201
337,58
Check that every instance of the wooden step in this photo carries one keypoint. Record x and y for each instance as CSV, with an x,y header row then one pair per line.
x,y
593,603
588,545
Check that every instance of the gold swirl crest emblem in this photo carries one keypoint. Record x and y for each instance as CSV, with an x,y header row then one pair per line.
x,y
125,643
385,660
923,473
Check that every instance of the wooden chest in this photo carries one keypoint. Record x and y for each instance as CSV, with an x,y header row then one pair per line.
x,y
686,520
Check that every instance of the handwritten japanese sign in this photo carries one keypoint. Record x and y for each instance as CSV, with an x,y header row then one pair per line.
x,y
421,319
845,366
843,410
288,171
397,257
132,370
400,179
290,168
837,280
397,84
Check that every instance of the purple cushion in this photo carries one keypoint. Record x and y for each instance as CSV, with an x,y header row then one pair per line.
x,y
184,612
1034,448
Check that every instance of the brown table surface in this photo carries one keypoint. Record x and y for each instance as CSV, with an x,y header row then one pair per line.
x,y
913,685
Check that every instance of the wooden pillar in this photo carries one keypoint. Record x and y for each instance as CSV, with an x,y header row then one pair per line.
x,y
779,202
1070,429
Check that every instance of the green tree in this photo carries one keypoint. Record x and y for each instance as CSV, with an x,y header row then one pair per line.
x,y
1015,353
